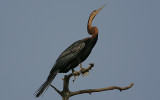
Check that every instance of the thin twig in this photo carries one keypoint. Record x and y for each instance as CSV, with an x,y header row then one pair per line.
x,y
100,90
57,90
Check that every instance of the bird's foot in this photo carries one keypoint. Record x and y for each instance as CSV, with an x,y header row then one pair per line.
x,y
76,74
80,65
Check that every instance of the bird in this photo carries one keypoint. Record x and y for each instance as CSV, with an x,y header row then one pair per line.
x,y
74,55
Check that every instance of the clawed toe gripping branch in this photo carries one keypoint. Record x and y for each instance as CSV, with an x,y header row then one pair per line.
x,y
66,93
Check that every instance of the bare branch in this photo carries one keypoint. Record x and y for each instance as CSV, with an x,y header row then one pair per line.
x,y
66,83
83,70
66,93
57,90
100,90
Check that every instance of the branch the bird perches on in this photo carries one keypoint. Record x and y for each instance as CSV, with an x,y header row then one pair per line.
x,y
66,93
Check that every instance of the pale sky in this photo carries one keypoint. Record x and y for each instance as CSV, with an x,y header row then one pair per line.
x,y
33,33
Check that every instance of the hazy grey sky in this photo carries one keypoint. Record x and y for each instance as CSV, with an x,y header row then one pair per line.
x,y
33,33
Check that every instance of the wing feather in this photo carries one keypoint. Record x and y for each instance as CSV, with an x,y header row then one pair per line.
x,y
68,55
72,51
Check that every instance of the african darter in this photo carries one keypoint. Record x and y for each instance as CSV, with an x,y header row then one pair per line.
x,y
73,55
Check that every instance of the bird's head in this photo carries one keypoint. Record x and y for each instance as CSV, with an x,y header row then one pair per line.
x,y
95,12
92,30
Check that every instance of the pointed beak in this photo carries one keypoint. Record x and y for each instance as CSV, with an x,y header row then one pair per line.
x,y
95,12
101,8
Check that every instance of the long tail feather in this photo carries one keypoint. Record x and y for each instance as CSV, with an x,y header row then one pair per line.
x,y
46,84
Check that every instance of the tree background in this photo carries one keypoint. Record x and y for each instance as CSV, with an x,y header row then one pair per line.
x,y
33,33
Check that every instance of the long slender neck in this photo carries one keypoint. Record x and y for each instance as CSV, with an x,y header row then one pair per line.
x,y
89,25
92,30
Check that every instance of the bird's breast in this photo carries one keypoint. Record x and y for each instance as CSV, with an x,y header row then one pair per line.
x,y
89,44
